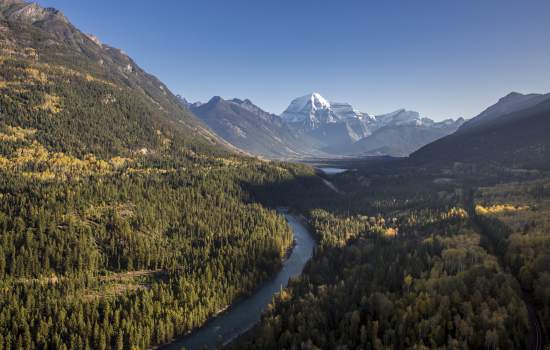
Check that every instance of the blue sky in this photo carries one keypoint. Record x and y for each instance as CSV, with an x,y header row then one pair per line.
x,y
443,58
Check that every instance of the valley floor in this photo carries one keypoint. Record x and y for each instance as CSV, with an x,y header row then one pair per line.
x,y
408,260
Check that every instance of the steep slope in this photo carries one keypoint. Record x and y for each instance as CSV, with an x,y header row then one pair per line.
x,y
40,47
249,128
517,139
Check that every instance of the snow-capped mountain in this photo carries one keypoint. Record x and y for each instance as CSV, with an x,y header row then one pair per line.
x,y
312,111
334,126
401,117
341,129
311,125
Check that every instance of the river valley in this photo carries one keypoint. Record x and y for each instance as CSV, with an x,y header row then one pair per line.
x,y
247,312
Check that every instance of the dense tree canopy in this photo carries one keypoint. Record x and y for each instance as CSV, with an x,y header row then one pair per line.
x,y
118,229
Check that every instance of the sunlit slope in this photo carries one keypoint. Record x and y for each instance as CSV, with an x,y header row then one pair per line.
x,y
81,95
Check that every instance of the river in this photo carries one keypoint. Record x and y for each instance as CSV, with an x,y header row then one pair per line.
x,y
332,171
246,313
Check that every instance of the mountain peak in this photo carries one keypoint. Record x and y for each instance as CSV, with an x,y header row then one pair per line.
x,y
238,101
319,99
511,95
11,2
32,12
216,99
313,101
313,110
402,117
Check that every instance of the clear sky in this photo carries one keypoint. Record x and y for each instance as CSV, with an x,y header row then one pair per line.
x,y
443,58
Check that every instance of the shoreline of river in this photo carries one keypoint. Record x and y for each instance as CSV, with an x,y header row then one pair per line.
x,y
242,299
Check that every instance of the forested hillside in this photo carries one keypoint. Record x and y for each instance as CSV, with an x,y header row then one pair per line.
x,y
419,258
416,280
122,222
44,36
516,218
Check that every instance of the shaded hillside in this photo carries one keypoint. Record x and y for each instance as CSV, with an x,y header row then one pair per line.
x,y
513,102
333,138
519,139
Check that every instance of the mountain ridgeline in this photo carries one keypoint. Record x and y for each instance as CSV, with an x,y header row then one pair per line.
x,y
249,128
41,48
512,132
314,127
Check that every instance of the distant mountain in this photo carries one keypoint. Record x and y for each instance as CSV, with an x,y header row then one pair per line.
x,y
401,139
402,117
313,126
333,126
312,111
402,132
506,133
187,104
340,129
249,128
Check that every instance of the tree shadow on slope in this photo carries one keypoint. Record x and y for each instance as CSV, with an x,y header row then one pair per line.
x,y
302,194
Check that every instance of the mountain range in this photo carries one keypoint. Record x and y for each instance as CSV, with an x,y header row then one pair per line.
x,y
310,127
313,126
249,128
